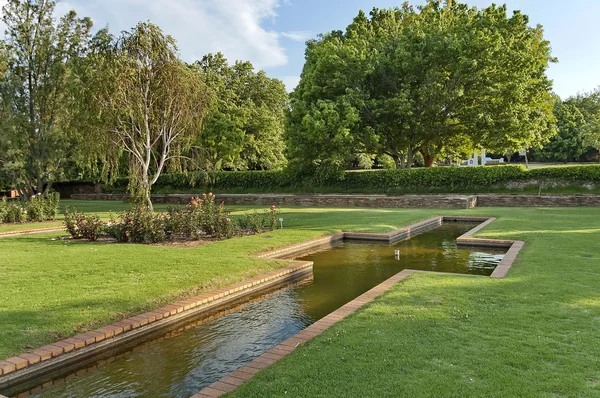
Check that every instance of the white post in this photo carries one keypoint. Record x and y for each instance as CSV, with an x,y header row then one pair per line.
x,y
483,156
476,159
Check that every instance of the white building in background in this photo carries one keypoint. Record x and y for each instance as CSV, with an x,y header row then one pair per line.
x,y
474,161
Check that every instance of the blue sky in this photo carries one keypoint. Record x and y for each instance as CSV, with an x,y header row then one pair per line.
x,y
271,33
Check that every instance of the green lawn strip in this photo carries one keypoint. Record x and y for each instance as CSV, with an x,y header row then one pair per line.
x,y
534,333
52,289
28,226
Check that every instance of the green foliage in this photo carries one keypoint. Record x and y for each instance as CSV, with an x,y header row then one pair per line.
x,y
83,226
244,128
11,212
255,221
448,179
42,207
589,105
39,208
143,102
36,62
438,79
569,144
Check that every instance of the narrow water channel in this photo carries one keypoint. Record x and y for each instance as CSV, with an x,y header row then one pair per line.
x,y
183,362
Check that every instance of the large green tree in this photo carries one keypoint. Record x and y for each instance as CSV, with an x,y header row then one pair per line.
x,y
569,143
589,106
244,127
139,99
439,78
37,54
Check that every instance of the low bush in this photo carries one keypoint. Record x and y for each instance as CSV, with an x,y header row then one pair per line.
x,y
202,218
42,207
39,208
11,212
82,226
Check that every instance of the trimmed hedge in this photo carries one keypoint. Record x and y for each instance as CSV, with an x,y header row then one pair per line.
x,y
435,179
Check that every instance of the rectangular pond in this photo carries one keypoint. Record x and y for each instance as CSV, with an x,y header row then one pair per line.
x,y
183,361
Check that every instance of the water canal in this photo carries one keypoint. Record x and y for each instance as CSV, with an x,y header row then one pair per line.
x,y
182,362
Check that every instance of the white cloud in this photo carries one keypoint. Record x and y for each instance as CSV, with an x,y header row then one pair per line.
x,y
298,35
290,82
238,28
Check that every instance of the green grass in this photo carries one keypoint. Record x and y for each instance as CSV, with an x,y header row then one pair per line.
x,y
535,333
52,289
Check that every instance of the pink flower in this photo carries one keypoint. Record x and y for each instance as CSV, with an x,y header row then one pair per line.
x,y
193,203
273,207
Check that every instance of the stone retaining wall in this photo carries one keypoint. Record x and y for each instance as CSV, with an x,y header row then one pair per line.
x,y
376,201
537,200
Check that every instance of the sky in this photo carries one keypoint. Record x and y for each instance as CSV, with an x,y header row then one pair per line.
x,y
272,33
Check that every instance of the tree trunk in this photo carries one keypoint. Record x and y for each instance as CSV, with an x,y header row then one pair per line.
x,y
428,160
409,159
398,160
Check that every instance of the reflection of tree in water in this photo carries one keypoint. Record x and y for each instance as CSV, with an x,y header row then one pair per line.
x,y
353,267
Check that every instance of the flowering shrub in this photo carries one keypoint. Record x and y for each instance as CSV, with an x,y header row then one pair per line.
x,y
42,207
147,226
139,225
201,218
38,208
273,215
11,212
255,221
81,226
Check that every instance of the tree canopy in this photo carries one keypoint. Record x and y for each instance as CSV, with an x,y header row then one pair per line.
x,y
147,103
244,127
431,79
36,59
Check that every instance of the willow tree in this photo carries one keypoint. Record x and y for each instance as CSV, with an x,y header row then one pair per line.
x,y
37,56
146,103
433,79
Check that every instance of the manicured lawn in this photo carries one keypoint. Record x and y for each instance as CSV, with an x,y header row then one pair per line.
x,y
534,334
52,289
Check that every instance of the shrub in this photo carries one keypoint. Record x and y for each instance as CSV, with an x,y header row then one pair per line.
x,y
42,207
273,215
11,212
145,226
255,221
82,226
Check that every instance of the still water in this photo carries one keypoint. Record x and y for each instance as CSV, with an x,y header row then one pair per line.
x,y
184,361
